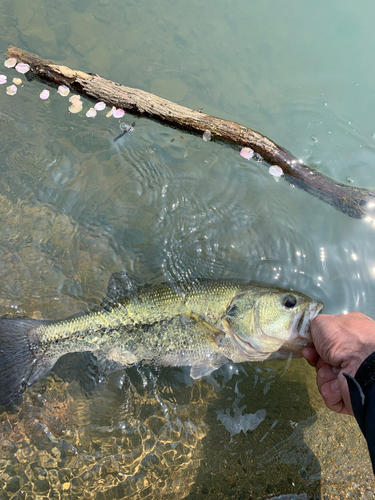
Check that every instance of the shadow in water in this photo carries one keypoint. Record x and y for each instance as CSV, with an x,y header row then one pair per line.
x,y
269,456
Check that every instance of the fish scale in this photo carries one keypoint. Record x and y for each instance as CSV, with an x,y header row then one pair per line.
x,y
202,324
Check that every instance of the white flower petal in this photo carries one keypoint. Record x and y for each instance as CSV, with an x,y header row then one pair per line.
x,y
110,112
75,98
276,171
10,63
91,113
99,106
22,68
63,90
207,135
44,94
247,153
118,113
76,107
11,90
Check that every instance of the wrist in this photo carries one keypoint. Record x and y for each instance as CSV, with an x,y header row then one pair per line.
x,y
365,373
361,388
351,362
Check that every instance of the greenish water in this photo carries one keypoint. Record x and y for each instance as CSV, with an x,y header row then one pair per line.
x,y
76,207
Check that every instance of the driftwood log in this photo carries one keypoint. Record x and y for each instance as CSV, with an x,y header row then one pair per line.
x,y
352,201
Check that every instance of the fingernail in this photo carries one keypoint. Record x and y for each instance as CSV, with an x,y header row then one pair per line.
x,y
335,370
335,385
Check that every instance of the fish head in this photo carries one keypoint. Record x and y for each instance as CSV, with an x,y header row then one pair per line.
x,y
265,322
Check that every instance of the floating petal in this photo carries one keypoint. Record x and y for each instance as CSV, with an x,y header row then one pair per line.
x,y
91,113
207,135
3,79
99,106
247,153
10,63
118,113
44,95
76,107
22,68
110,112
11,90
63,90
75,98
17,81
276,171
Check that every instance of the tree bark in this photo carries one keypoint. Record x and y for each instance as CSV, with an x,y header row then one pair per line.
x,y
352,201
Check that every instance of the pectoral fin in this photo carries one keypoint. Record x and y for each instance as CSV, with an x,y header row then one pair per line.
x,y
191,341
213,335
214,332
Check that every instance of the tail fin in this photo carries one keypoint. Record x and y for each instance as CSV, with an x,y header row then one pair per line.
x,y
20,363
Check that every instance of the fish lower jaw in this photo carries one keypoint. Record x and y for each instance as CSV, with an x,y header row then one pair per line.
x,y
246,351
301,324
301,336
300,328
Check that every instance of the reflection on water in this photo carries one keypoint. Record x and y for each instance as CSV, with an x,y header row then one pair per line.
x,y
76,208
74,213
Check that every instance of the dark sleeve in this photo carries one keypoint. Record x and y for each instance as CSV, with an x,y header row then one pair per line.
x,y
362,396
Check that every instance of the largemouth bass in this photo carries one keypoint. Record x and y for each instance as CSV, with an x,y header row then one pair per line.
x,y
202,324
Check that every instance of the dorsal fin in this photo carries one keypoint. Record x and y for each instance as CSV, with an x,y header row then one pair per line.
x,y
120,286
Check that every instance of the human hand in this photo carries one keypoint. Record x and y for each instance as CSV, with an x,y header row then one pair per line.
x,y
341,344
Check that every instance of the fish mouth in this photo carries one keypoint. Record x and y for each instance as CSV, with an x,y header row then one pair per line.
x,y
300,331
316,308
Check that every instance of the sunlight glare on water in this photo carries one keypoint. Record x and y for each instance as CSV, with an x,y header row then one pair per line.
x,y
75,207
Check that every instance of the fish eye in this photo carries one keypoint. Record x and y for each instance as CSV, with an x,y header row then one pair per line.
x,y
289,301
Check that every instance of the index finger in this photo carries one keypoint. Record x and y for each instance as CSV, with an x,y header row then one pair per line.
x,y
311,355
